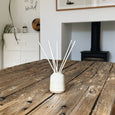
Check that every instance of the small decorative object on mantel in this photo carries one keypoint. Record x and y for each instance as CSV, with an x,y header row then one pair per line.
x,y
69,2
36,24
25,29
62,5
57,84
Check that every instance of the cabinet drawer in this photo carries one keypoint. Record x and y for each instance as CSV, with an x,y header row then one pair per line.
x,y
11,59
29,42
26,42
29,56
11,43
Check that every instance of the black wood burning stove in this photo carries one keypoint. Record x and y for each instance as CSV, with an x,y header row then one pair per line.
x,y
95,54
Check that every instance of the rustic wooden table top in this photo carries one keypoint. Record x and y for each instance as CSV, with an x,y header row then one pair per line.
x,y
90,89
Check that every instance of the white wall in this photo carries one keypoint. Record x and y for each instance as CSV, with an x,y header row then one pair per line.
x,y
21,16
4,19
108,39
66,33
81,32
24,17
51,20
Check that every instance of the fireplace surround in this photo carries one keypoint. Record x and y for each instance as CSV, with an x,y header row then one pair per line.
x,y
95,54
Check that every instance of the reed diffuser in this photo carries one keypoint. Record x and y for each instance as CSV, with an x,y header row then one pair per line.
x,y
57,84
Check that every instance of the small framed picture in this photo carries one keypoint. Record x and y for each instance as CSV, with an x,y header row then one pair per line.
x,y
62,5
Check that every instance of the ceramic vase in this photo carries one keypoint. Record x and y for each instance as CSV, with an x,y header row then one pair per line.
x,y
57,84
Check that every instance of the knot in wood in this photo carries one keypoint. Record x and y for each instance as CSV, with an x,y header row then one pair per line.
x,y
1,104
62,114
64,106
2,98
92,91
29,102
25,108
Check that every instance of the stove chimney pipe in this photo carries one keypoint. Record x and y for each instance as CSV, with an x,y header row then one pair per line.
x,y
95,36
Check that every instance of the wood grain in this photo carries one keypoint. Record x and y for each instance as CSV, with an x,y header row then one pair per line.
x,y
34,94
91,95
14,80
29,76
67,101
90,89
106,100
113,110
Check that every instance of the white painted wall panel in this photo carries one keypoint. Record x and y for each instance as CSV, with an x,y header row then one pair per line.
x,y
51,21
81,32
4,19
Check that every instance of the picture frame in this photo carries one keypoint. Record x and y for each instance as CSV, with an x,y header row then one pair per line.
x,y
63,5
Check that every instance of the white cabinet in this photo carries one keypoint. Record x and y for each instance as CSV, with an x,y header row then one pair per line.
x,y
26,50
11,58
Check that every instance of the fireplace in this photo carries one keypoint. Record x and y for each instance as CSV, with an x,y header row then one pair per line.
x,y
95,54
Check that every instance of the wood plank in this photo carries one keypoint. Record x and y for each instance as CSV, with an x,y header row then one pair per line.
x,y
66,101
28,98
5,73
90,97
40,74
113,110
25,78
21,80
106,99
76,70
11,73
77,93
20,67
61,104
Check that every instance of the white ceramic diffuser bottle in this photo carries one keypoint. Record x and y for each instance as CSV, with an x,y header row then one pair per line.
x,y
57,82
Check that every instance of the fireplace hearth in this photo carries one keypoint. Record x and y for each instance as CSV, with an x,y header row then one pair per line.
x,y
95,54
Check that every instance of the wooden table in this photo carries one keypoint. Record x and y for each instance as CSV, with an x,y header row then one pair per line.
x,y
90,89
